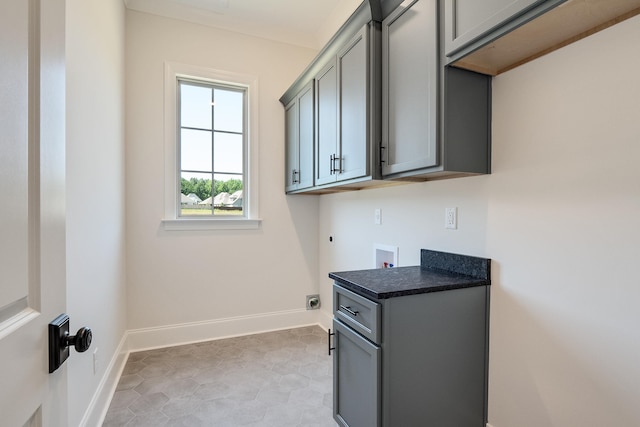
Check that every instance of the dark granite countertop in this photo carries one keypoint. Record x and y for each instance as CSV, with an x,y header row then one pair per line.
x,y
439,271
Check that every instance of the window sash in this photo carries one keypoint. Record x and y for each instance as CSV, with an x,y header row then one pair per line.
x,y
214,134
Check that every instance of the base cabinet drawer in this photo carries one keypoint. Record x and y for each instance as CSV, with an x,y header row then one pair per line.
x,y
357,312
357,367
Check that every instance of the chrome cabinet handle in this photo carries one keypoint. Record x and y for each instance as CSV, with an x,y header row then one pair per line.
x,y
332,164
348,310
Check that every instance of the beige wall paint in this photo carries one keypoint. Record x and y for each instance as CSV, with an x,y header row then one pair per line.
x,y
96,294
180,277
559,216
344,9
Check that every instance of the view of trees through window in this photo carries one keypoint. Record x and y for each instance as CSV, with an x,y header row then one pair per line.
x,y
224,194
211,139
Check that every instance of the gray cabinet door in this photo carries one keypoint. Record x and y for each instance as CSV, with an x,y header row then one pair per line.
x,y
299,137
326,123
410,87
353,84
356,373
306,137
291,145
468,20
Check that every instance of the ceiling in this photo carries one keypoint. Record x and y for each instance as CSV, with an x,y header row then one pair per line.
x,y
308,23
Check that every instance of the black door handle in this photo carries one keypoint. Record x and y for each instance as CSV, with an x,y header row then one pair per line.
x,y
81,341
60,340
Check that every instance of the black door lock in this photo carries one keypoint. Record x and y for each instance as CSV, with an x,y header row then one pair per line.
x,y
60,340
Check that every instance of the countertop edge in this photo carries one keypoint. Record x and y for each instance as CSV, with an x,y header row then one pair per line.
x,y
465,283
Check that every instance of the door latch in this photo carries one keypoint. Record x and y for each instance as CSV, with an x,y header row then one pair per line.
x,y
60,340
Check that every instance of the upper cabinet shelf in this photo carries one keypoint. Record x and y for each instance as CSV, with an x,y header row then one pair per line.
x,y
494,36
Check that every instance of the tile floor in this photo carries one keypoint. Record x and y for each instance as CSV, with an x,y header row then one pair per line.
x,y
281,379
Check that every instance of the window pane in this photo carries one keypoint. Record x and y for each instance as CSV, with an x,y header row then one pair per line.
x,y
195,194
195,150
195,110
228,110
227,153
228,198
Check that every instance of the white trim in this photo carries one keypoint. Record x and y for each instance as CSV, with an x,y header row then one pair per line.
x,y
211,224
172,70
97,409
325,320
186,333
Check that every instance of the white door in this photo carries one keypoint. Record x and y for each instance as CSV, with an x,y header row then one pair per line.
x,y
32,210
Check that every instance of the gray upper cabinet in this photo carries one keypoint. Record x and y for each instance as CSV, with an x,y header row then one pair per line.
x,y
410,87
470,21
347,108
386,106
299,137
353,107
326,123
436,119
342,113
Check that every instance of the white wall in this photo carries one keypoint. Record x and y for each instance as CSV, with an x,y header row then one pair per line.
x,y
559,216
179,277
95,189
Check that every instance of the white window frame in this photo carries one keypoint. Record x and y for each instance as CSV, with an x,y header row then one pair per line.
x,y
172,219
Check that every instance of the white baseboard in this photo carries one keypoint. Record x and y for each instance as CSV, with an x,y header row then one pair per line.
x,y
95,413
187,333
325,319
489,425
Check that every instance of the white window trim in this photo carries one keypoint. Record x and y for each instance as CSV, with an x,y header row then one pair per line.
x,y
172,221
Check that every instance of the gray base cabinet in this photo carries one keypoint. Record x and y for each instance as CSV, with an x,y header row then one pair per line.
x,y
427,363
357,394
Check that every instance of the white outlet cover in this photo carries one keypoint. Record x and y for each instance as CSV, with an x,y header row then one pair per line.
x,y
451,218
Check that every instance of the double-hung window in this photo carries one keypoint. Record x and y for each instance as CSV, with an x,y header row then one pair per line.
x,y
211,136
211,179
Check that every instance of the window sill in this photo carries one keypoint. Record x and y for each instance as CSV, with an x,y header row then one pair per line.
x,y
211,224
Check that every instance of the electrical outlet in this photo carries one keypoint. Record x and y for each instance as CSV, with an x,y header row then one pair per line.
x,y
377,216
451,218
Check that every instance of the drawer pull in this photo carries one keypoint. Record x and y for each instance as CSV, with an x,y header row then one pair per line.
x,y
348,310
